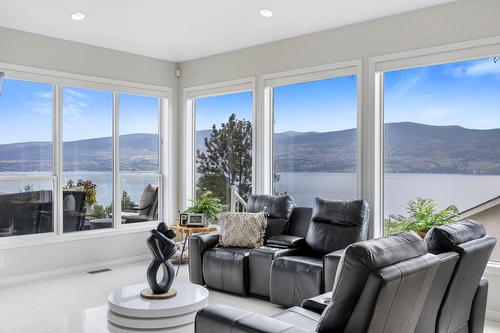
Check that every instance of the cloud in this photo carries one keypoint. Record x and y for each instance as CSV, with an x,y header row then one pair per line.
x,y
47,95
477,68
437,111
41,103
75,93
407,81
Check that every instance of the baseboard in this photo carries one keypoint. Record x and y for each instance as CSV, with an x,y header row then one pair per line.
x,y
71,270
492,315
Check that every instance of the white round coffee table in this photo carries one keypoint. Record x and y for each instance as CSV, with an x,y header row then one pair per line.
x,y
129,312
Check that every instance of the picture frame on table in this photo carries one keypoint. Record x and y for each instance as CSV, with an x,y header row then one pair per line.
x,y
196,220
183,219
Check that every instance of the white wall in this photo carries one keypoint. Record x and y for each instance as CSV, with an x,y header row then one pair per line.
x,y
21,48
447,24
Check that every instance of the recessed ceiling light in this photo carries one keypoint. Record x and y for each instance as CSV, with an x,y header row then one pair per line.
x,y
266,12
78,16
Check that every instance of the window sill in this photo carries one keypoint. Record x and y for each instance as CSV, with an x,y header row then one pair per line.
x,y
52,238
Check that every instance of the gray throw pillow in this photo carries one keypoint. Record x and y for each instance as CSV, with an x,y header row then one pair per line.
x,y
242,229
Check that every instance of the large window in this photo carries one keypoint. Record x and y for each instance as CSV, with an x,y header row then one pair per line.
x,y
87,159
224,145
26,166
315,140
139,158
442,143
71,156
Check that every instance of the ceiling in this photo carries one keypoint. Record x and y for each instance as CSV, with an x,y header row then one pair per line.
x,y
180,30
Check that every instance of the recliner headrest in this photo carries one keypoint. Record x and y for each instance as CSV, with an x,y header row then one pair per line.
x,y
277,206
381,252
342,212
446,237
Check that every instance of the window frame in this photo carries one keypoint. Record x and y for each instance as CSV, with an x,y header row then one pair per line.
x,y
58,80
208,90
443,54
269,81
119,175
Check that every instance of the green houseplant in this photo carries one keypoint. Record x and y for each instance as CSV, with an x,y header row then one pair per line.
x,y
207,205
422,216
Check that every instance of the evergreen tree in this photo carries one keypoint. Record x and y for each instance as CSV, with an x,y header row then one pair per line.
x,y
227,159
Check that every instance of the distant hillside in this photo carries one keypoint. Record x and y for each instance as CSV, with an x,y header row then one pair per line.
x,y
410,148
137,151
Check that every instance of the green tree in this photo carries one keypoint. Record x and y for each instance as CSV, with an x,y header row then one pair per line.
x,y
127,202
227,159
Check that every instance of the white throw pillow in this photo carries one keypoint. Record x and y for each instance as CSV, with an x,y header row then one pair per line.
x,y
242,229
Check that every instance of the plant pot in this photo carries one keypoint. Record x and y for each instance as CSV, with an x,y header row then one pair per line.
x,y
421,234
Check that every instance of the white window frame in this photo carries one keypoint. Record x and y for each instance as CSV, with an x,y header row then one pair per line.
x,y
58,80
190,95
119,175
450,53
330,71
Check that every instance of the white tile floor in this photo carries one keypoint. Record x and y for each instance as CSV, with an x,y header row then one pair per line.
x,y
76,303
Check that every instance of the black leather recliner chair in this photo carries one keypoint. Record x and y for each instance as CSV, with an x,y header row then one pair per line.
x,y
381,287
457,301
334,225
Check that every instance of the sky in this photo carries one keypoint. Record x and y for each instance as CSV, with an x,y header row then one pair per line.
x,y
217,109
26,113
462,93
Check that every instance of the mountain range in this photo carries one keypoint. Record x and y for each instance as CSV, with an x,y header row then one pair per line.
x,y
409,148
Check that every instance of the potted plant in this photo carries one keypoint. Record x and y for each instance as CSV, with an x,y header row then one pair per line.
x,y
207,205
87,186
423,215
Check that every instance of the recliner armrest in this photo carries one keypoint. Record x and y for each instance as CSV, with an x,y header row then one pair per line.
x,y
198,244
286,241
318,303
330,264
226,319
478,310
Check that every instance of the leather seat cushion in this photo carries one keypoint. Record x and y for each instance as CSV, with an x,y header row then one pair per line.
x,y
446,237
226,269
294,279
299,317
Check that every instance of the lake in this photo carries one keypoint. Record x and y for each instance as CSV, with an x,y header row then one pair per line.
x,y
465,191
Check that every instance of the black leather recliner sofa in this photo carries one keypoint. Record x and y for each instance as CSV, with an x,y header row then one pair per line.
x,y
302,244
381,287
456,302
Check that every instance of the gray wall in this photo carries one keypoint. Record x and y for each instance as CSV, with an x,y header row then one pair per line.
x,y
21,48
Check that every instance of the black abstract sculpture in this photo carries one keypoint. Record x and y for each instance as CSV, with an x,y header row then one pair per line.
x,y
163,248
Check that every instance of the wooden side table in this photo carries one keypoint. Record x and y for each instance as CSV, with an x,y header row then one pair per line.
x,y
188,231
